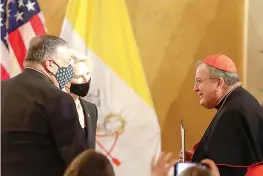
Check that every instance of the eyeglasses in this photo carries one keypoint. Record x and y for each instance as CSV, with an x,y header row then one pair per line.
x,y
63,62
201,80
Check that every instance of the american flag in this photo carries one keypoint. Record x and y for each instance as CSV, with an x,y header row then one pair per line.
x,y
20,21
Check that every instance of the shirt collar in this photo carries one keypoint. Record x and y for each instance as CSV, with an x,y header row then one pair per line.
x,y
77,102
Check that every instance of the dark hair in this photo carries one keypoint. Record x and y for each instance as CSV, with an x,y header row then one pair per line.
x,y
43,46
90,163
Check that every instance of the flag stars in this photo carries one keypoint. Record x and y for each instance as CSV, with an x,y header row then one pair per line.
x,y
30,6
6,38
2,7
1,24
19,16
8,12
21,3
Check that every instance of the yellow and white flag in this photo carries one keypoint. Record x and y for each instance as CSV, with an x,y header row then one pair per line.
x,y
127,131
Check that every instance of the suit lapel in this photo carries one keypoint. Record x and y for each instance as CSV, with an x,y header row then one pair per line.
x,y
88,121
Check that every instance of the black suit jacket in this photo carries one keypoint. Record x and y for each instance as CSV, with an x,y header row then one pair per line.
x,y
91,117
40,130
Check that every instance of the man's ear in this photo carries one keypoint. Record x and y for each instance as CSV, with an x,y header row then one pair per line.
x,y
220,83
49,66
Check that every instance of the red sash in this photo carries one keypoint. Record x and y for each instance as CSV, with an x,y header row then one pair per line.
x,y
255,170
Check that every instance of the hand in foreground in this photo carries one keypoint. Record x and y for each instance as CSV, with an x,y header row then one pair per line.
x,y
188,156
212,166
161,167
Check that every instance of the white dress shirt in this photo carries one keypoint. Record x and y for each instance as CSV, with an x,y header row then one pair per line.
x,y
80,113
79,110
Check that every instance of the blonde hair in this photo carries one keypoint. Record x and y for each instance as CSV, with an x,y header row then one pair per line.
x,y
78,57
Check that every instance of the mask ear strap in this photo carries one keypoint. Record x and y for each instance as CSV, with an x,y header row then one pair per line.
x,y
47,70
55,63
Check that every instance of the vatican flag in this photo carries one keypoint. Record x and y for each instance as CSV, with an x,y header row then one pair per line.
x,y
128,132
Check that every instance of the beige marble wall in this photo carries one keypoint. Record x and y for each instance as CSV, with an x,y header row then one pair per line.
x,y
254,59
171,36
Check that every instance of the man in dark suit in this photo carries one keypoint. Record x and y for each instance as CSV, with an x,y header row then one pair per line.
x,y
79,87
40,130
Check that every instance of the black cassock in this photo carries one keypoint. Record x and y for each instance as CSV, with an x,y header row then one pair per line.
x,y
234,138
